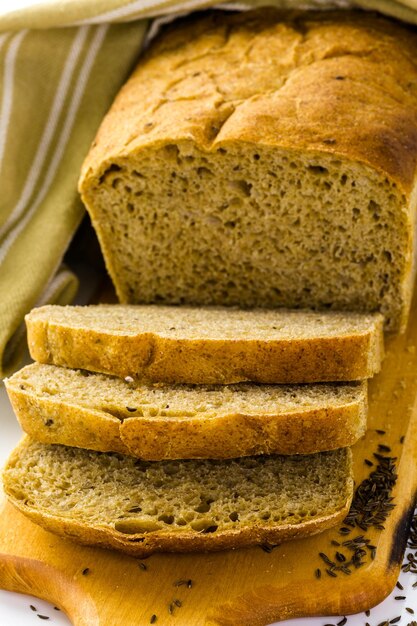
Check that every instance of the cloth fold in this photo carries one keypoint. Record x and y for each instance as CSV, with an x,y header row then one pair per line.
x,y
61,64
55,87
61,289
59,13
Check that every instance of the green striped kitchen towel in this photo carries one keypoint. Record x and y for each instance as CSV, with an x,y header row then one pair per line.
x,y
56,85
61,63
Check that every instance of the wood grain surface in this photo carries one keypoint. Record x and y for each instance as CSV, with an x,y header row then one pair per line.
x,y
237,588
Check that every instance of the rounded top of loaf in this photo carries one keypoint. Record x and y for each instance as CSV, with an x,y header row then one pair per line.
x,y
342,83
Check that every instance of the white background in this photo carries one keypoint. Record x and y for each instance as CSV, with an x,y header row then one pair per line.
x,y
15,608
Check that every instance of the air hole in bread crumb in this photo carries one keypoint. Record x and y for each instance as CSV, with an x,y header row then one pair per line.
x,y
318,169
241,186
204,507
171,469
172,151
134,509
204,171
210,529
109,170
375,209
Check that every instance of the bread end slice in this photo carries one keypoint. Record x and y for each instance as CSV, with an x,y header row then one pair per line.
x,y
114,501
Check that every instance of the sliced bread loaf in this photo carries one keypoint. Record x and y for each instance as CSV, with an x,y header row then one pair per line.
x,y
119,502
208,345
60,405
263,159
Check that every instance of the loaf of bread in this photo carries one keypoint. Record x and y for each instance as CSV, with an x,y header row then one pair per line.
x,y
208,345
263,159
119,502
65,406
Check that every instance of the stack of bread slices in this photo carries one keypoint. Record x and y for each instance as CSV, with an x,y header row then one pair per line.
x,y
176,428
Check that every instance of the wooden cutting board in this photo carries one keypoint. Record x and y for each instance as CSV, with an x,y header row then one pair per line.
x,y
249,587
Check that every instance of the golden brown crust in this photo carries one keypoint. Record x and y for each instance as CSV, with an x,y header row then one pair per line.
x,y
322,90
53,422
227,436
140,546
154,358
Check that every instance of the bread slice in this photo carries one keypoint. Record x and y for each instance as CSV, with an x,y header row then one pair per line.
x,y
208,345
60,405
263,159
116,501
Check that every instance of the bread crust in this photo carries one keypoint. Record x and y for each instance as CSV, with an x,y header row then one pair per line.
x,y
383,136
153,358
141,546
144,544
154,439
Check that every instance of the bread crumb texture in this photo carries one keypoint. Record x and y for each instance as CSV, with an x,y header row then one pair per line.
x,y
263,159
130,497
126,400
216,323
